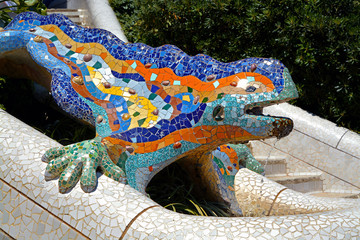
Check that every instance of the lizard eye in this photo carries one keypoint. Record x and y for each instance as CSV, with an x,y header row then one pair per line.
x,y
250,89
218,113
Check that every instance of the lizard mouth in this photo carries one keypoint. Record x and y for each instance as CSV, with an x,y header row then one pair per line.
x,y
282,126
276,126
255,111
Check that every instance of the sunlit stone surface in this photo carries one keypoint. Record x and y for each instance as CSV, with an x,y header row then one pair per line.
x,y
30,206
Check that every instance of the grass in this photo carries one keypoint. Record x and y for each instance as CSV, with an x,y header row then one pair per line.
x,y
173,189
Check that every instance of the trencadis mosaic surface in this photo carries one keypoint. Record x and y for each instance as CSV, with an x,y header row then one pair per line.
x,y
151,106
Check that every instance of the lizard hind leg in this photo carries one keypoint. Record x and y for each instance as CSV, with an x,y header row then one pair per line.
x,y
227,160
246,159
225,165
215,173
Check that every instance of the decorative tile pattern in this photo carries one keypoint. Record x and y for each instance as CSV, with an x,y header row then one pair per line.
x,y
23,219
147,103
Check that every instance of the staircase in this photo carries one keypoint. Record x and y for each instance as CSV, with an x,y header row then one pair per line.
x,y
78,16
305,182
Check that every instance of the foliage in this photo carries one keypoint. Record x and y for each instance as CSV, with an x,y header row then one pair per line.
x,y
318,40
19,6
172,189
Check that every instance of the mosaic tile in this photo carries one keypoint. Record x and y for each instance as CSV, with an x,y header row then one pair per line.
x,y
147,103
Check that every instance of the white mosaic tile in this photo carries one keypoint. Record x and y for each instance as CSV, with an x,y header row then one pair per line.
x,y
262,196
306,152
321,129
346,144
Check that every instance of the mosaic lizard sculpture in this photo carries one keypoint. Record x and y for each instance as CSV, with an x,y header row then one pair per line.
x,y
150,106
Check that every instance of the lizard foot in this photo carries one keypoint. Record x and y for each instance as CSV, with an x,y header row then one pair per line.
x,y
80,161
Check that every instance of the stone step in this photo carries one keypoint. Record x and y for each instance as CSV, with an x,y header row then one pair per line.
x,y
76,20
73,15
335,194
65,11
77,16
304,182
273,165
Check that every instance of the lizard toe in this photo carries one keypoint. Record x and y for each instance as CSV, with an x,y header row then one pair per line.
x,y
70,176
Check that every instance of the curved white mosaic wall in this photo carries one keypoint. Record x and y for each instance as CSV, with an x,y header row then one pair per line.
x,y
31,208
316,145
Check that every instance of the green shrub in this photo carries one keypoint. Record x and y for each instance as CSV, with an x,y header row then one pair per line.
x,y
318,40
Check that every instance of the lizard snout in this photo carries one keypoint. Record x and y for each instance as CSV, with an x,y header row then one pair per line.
x,y
282,127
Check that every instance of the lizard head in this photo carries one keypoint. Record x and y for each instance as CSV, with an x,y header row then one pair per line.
x,y
237,113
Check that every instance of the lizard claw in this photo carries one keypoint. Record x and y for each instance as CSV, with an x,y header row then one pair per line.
x,y
45,159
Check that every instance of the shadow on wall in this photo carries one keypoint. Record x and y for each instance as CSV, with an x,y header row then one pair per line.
x,y
69,4
55,3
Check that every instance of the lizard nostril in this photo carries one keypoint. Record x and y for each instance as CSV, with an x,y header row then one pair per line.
x,y
218,113
250,89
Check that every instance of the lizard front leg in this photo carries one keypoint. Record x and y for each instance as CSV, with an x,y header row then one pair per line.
x,y
80,161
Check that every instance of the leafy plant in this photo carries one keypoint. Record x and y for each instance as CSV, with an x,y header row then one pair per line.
x,y
18,6
318,40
